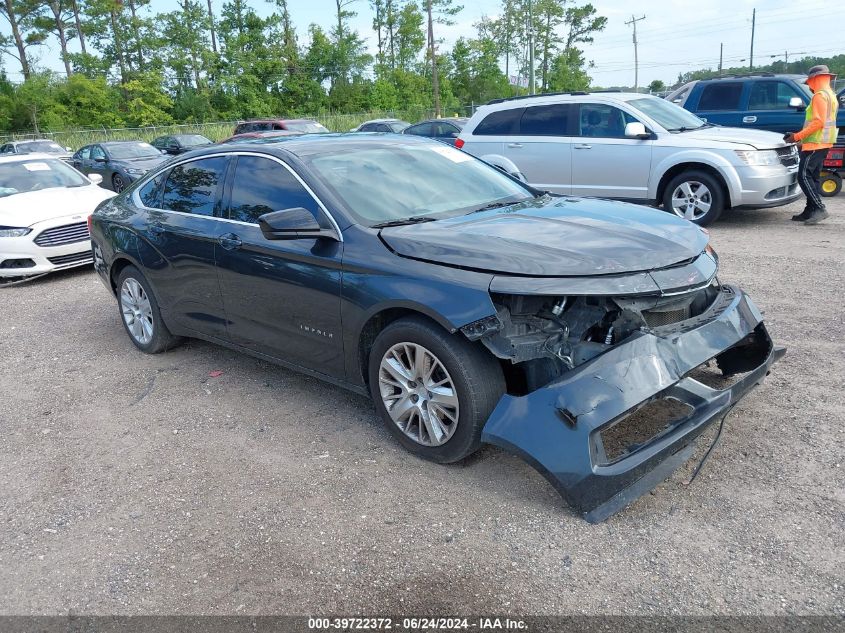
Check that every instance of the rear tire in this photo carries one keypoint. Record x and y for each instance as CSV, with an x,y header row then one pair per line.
x,y
433,390
696,196
140,314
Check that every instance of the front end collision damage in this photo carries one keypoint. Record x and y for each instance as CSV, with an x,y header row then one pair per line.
x,y
608,396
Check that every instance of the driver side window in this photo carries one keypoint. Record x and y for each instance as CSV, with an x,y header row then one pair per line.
x,y
97,152
598,120
262,186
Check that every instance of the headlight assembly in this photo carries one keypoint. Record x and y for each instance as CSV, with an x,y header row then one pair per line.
x,y
8,231
759,157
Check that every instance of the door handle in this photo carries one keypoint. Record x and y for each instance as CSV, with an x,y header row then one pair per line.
x,y
156,229
583,146
514,145
229,241
749,119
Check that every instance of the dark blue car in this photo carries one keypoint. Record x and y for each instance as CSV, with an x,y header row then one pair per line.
x,y
472,308
763,101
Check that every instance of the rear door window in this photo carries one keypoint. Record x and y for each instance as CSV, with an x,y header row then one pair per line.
x,y
771,95
721,96
194,187
262,186
501,123
547,120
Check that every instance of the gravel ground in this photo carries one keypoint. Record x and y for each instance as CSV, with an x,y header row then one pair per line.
x,y
134,484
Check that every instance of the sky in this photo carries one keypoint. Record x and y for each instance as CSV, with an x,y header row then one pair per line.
x,y
675,36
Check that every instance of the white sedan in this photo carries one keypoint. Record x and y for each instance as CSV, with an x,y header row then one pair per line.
x,y
44,209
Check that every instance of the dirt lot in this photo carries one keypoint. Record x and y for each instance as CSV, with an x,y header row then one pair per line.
x,y
138,484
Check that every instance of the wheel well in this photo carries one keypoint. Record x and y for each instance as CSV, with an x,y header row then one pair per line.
x,y
371,330
677,169
117,266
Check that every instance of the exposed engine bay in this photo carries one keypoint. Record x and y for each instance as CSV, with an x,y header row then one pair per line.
x,y
545,336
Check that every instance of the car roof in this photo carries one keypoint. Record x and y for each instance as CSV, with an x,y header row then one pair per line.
x,y
568,97
315,144
752,76
451,119
30,140
113,143
15,158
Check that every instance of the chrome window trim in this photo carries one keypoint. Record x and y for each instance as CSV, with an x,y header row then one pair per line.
x,y
136,197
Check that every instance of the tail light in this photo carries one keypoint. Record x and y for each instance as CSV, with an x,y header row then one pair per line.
x,y
459,143
90,220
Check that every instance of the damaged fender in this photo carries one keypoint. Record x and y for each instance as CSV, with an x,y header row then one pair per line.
x,y
558,428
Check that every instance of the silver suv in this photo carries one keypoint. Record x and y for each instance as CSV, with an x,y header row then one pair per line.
x,y
633,147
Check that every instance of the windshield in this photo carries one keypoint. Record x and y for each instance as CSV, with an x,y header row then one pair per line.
x,y
133,150
48,147
397,181
36,175
192,140
308,127
668,115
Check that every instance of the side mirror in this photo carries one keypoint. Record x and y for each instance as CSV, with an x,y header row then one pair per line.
x,y
163,151
795,102
100,159
293,224
67,149
454,135
635,129
95,178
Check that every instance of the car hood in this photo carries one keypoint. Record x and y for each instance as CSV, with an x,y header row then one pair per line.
x,y
758,139
553,237
139,163
27,209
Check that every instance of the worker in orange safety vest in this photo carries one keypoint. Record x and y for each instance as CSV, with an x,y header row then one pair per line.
x,y
816,137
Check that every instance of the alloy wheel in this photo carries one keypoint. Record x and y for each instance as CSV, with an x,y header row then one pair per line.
x,y
137,311
118,183
419,394
691,200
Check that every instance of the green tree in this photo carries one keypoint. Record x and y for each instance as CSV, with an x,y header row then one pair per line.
x,y
145,103
20,15
656,86
409,36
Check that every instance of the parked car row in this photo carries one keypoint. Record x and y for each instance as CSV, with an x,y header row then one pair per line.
x,y
472,305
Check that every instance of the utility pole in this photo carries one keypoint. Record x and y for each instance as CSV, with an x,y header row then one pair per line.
x,y
636,60
721,52
753,24
530,49
435,83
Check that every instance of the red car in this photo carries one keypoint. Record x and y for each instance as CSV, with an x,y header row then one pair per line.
x,y
303,126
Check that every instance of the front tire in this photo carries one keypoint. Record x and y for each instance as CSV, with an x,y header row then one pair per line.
x,y
117,183
140,314
434,391
695,196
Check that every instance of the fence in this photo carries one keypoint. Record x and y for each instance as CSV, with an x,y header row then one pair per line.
x,y
216,131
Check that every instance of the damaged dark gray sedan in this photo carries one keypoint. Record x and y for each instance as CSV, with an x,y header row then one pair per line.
x,y
580,334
